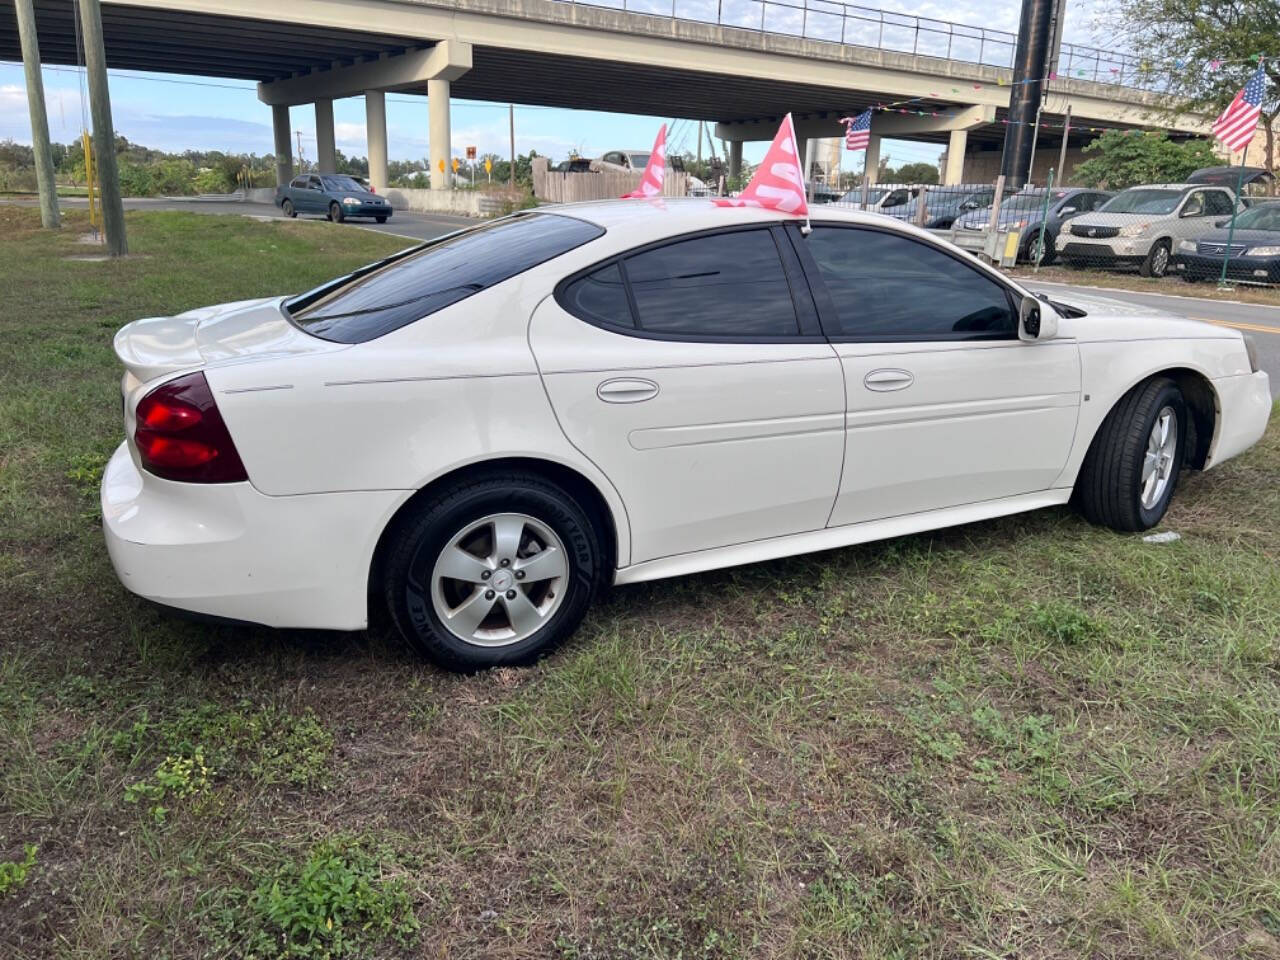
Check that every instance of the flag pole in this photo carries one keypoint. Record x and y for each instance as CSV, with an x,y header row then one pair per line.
x,y
1231,230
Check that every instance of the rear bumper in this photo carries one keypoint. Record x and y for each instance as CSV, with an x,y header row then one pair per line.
x,y
226,550
1245,408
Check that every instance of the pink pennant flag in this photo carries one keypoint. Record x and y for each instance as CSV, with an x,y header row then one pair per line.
x,y
654,171
777,183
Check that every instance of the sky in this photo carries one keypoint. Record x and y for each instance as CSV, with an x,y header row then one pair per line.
x,y
176,113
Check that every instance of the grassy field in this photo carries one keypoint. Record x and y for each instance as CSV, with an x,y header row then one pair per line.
x,y
1021,739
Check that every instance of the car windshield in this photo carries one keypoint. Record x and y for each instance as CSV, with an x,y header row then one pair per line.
x,y
1143,200
341,183
409,285
1265,217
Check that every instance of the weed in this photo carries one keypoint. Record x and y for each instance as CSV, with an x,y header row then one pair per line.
x,y
13,873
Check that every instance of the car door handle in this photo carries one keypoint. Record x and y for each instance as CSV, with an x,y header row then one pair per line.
x,y
624,390
888,379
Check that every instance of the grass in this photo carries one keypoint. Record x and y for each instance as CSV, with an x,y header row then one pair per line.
x,y
1026,738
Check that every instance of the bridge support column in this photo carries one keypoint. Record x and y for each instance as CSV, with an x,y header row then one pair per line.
x,y
39,119
438,134
284,144
326,150
375,126
956,144
735,158
872,155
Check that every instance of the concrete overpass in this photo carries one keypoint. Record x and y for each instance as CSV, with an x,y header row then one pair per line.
x,y
742,66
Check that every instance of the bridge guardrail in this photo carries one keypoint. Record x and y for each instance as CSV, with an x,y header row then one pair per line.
x,y
849,25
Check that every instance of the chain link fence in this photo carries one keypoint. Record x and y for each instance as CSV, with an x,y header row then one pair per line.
x,y
1182,230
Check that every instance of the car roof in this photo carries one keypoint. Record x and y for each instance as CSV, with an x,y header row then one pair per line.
x,y
681,215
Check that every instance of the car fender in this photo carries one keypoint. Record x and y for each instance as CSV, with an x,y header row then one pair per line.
x,y
1111,368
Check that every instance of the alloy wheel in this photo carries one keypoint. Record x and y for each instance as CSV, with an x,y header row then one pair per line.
x,y
499,579
1157,462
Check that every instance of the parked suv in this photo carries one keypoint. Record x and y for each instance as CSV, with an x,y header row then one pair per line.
x,y
891,199
1142,225
944,204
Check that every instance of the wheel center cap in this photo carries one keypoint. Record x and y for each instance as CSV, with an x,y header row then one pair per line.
x,y
502,580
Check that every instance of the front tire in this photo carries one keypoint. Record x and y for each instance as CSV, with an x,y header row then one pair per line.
x,y
1132,467
1156,263
381,219
335,212
1034,255
494,571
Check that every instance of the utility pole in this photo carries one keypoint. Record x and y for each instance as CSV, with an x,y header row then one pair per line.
x,y
511,117
104,134
1030,61
699,145
39,118
302,163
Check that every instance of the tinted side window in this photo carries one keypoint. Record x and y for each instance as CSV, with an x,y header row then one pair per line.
x,y
887,287
722,285
601,297
299,182
1218,203
403,288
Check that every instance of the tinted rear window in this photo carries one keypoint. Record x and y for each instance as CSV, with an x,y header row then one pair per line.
x,y
414,283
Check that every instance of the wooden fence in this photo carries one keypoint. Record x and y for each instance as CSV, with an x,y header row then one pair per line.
x,y
555,187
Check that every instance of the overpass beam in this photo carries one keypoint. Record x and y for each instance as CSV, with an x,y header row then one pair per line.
x,y
956,145
326,147
39,118
284,144
375,125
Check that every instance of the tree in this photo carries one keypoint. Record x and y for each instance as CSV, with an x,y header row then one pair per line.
x,y
1205,50
918,172
1125,158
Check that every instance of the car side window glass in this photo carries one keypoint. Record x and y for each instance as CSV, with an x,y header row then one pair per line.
x,y
600,296
299,182
722,286
889,287
1194,207
1219,203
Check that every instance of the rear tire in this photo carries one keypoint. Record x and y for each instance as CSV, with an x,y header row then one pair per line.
x,y
335,212
287,209
1156,263
501,608
1132,467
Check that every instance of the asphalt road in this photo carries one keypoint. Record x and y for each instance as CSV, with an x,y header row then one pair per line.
x,y
413,226
1258,321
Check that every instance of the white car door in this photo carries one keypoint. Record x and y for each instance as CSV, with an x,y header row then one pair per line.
x,y
946,406
693,378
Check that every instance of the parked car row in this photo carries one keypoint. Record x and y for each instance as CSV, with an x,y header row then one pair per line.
x,y
1180,229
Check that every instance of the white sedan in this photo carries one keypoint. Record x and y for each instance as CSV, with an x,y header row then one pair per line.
x,y
481,432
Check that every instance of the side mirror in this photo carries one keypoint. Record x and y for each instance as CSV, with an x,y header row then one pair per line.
x,y
969,205
1037,320
1066,211
1192,212
1221,223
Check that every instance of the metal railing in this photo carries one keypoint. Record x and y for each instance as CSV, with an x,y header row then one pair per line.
x,y
847,25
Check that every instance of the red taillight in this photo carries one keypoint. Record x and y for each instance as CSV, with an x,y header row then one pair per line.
x,y
180,434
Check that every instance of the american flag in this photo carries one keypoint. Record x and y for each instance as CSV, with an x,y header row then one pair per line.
x,y
857,131
1236,126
